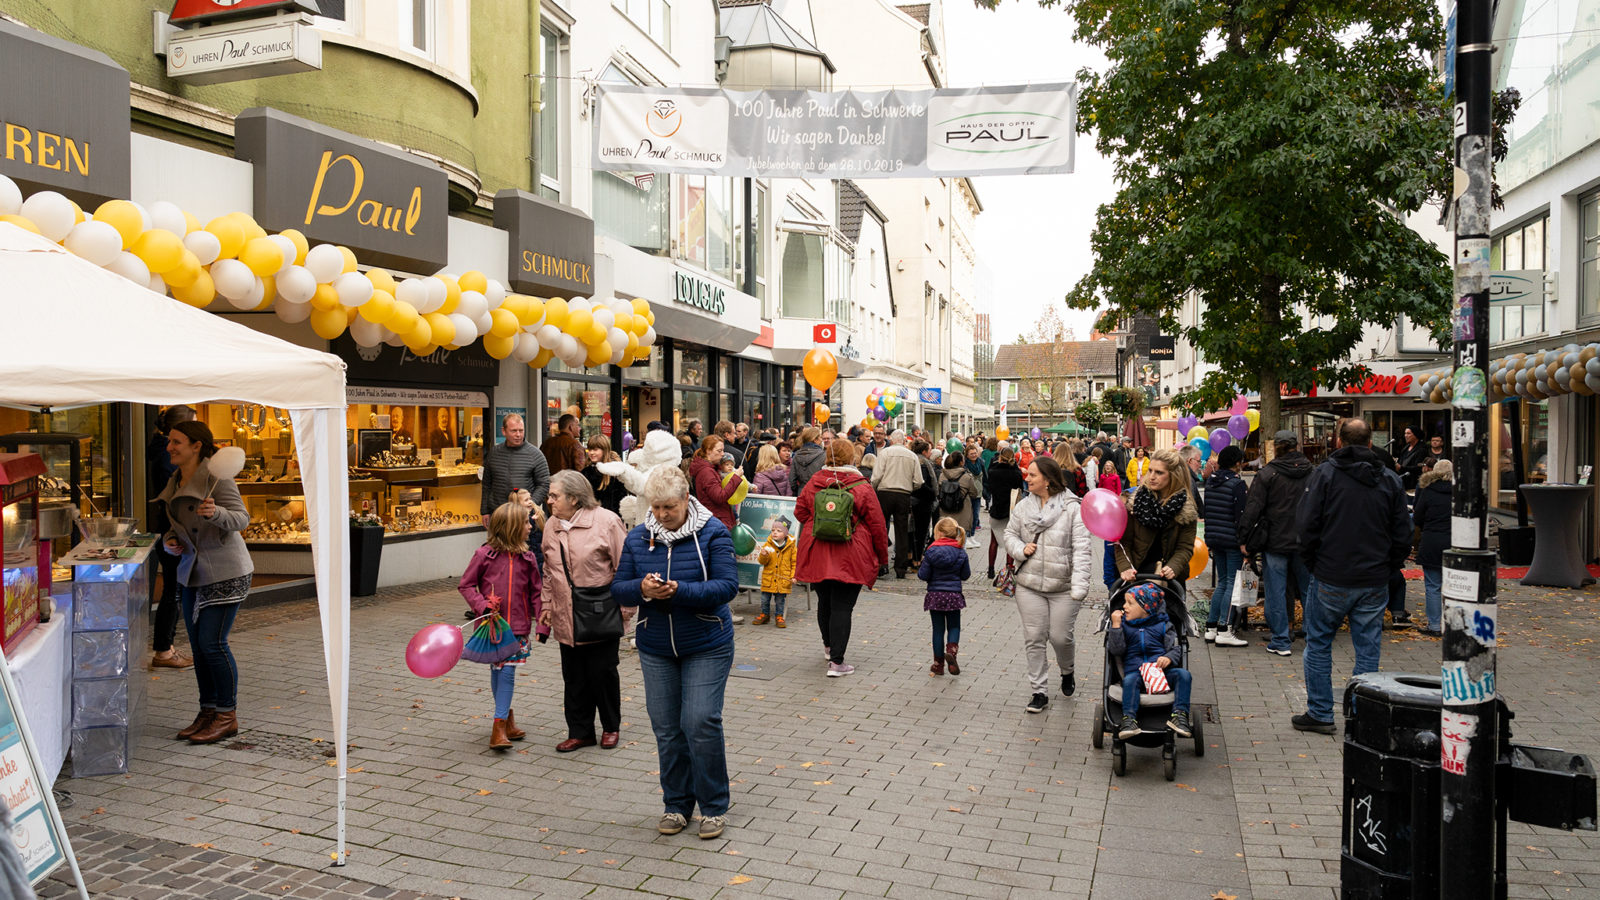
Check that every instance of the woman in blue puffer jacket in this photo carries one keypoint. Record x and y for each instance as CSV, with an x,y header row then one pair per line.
x,y
1225,494
678,568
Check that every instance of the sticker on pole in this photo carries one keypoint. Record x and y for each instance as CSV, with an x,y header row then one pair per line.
x,y
1455,740
1460,584
1464,534
1468,683
1480,621
1461,434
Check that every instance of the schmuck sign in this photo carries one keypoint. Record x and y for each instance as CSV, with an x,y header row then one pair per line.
x,y
1018,130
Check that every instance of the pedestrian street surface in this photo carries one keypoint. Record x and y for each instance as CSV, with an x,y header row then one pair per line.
x,y
887,783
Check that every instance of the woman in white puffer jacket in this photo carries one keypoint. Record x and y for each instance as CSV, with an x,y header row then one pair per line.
x,y
1047,534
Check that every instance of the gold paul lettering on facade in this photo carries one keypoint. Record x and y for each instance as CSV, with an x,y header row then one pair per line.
x,y
536,263
46,150
368,212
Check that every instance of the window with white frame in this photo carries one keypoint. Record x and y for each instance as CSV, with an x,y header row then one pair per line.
x,y
1589,255
1044,390
552,112
759,213
339,15
632,207
419,27
653,17
1522,247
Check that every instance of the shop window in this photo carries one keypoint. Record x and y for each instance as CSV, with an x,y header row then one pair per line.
x,y
1521,248
692,368
589,401
838,271
725,377
759,211
802,276
750,376
100,487
632,207
719,226
552,56
692,406
1546,58
689,228
1535,439
1589,255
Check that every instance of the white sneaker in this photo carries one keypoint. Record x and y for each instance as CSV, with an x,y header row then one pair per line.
x,y
1211,634
839,670
1278,652
1229,639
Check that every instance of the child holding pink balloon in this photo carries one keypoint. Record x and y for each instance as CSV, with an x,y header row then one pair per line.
x,y
503,577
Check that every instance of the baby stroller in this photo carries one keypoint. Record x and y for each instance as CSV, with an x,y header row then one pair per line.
x,y
1153,708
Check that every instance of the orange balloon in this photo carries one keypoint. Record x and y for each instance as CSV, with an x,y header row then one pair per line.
x,y
1197,563
821,413
1002,433
821,369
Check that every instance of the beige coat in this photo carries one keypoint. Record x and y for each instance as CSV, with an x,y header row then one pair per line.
x,y
593,544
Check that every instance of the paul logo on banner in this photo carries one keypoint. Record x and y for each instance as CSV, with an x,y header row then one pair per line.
x,y
664,119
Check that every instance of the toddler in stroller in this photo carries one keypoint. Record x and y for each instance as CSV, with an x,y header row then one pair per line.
x,y
1146,648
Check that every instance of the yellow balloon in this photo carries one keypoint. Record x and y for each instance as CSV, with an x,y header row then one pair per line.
x,y
533,312
328,323
160,250
381,280
269,292
452,297
24,223
350,314
498,347
124,217
597,333
419,337
349,259
633,345
185,273
229,233
1253,416
443,330
199,293
1199,431
555,312
403,319
505,323
473,281
252,229
650,316
301,245
578,322
325,298
599,353
640,306
543,359
379,308
262,256
77,212
190,223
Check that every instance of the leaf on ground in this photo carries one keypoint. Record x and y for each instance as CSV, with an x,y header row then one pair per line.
x,y
807,765
1221,896
955,809
204,846
733,853
1187,788
484,792
356,769
581,852
740,879
822,782
938,765
609,862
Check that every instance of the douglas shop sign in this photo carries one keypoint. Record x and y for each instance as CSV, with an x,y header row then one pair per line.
x,y
691,290
390,207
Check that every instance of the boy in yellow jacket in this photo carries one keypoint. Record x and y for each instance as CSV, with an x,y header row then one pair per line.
x,y
777,556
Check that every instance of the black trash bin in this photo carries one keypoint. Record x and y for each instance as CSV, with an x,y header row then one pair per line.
x,y
366,549
1516,546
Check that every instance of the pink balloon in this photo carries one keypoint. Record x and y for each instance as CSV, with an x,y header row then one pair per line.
x,y
1104,514
1240,404
434,650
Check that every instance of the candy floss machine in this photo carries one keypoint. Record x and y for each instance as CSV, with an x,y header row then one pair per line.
x,y
27,559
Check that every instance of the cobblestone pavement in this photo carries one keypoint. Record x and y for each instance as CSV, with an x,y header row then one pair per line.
x,y
890,783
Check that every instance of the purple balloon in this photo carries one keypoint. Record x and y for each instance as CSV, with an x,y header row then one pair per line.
x,y
1035,434
1238,427
434,650
1220,439
881,414
1187,423
627,441
1104,514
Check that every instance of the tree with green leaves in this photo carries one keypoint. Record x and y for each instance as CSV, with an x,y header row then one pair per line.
x,y
1268,152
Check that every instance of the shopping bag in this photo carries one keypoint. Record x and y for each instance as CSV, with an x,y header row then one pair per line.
x,y
490,640
1155,680
1245,586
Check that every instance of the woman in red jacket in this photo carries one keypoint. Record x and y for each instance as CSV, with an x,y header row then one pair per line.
x,y
706,482
838,570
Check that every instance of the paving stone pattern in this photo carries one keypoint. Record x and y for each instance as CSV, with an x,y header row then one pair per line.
x,y
889,783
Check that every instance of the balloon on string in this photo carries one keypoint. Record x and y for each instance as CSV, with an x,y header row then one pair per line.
x,y
434,650
1197,562
1002,433
1198,431
1252,418
1220,439
1238,427
1104,514
1240,404
627,441
820,368
1187,423
880,414
1203,445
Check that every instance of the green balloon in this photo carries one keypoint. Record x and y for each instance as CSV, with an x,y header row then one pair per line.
x,y
744,540
953,446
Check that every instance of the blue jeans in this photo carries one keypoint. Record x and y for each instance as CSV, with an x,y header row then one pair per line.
x,y
946,629
1228,562
1327,606
1275,575
773,603
214,669
1109,567
684,698
976,504
1431,581
1132,684
502,681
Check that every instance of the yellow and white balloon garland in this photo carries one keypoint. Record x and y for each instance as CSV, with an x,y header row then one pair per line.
x,y
168,250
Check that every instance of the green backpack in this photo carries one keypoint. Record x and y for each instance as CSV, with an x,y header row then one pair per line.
x,y
833,513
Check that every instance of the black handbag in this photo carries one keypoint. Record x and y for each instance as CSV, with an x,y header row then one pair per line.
x,y
595,614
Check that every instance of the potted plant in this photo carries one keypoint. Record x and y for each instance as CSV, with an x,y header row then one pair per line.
x,y
1126,402
1089,414
366,549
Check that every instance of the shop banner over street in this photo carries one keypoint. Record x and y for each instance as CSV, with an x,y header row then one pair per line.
x,y
1015,130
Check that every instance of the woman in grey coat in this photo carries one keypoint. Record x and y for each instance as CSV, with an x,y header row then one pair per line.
x,y
214,571
1047,534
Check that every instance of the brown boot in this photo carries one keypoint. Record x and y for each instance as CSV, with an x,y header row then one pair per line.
x,y
497,737
222,725
950,651
199,724
938,666
512,731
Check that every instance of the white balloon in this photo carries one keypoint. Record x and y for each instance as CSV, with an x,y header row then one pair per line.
x,y
549,336
580,303
204,245
616,338
616,355
168,217
392,339
232,278
605,317
526,349
495,293
621,307
366,334
353,289
649,336
484,322
226,463
96,242
130,267
252,298
10,197
288,248
473,305
291,312
157,284
438,292
466,329
568,347
539,324
414,292
325,262
296,284
51,214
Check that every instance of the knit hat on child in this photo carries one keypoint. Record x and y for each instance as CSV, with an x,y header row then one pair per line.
x,y
1149,597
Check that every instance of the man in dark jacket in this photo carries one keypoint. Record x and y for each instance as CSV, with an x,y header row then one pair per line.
x,y
1225,496
923,500
1267,532
1399,616
1354,528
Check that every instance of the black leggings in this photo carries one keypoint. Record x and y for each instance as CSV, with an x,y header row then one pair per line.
x,y
836,600
166,627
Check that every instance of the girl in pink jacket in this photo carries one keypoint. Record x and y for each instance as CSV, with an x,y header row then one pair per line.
x,y
504,577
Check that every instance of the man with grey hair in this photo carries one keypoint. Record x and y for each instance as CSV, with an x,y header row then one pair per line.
x,y
896,474
1191,458
513,465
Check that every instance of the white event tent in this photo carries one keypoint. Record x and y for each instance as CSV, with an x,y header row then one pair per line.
x,y
118,342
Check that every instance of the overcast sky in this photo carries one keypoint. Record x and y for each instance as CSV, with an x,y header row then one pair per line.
x,y
1033,234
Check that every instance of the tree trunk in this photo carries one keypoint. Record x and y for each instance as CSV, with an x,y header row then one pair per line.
x,y
1271,394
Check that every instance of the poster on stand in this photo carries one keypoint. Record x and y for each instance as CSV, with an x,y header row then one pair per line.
x,y
759,512
26,794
